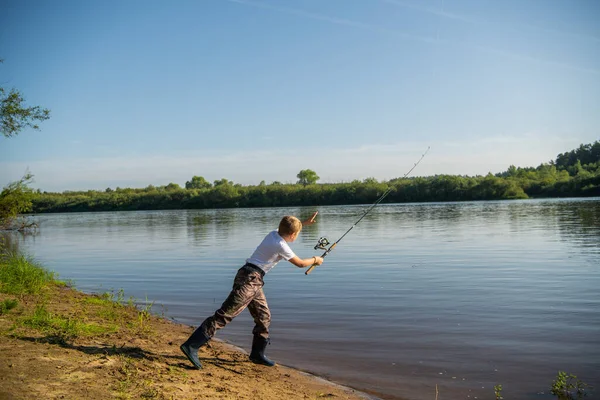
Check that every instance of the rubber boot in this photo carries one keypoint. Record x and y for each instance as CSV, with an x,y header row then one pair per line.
x,y
191,346
259,344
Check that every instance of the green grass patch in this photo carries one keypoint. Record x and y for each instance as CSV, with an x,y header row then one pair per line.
x,y
21,275
98,301
107,307
60,283
65,328
110,314
7,305
144,315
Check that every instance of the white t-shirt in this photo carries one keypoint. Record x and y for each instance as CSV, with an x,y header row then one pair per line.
x,y
272,249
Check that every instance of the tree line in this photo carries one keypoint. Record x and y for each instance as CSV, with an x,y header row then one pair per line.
x,y
573,173
566,176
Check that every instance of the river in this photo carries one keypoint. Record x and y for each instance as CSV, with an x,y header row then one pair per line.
x,y
463,296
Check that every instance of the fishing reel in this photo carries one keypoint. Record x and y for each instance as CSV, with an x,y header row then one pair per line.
x,y
322,244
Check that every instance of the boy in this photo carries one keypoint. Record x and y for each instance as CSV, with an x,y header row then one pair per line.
x,y
247,291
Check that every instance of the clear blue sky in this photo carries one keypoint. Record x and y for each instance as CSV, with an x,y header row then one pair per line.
x,y
153,92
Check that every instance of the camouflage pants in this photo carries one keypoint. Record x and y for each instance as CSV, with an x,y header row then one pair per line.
x,y
247,292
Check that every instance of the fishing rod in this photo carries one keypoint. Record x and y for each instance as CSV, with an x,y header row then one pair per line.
x,y
323,242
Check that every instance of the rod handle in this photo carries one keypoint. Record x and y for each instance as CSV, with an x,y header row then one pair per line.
x,y
310,269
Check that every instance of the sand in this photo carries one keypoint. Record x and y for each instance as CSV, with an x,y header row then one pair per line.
x,y
139,358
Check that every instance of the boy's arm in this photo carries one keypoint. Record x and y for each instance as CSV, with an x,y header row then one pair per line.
x,y
311,220
307,262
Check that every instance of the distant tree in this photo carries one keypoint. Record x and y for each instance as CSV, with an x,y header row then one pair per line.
x,y
510,172
15,115
172,186
223,181
224,194
584,154
307,177
198,182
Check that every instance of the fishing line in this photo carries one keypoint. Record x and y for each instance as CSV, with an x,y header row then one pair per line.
x,y
323,242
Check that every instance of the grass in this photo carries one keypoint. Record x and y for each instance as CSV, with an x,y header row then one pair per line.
x,y
131,381
128,377
144,316
7,305
62,327
99,301
21,275
111,307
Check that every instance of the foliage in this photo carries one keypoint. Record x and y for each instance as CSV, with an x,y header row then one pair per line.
x,y
16,198
546,180
15,115
585,157
307,177
198,182
566,386
223,181
498,392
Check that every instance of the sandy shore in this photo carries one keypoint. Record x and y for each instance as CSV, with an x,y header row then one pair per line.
x,y
111,350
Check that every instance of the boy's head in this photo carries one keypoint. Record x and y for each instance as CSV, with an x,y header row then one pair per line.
x,y
289,226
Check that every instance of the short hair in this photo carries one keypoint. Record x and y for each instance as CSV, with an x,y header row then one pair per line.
x,y
289,225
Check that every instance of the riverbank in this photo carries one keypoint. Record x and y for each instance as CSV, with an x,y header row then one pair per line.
x,y
60,343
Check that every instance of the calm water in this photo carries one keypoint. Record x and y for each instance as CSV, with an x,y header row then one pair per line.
x,y
464,296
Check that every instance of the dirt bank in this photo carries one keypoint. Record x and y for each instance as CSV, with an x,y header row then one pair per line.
x,y
64,344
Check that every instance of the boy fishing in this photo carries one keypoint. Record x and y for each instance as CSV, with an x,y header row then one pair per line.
x,y
247,291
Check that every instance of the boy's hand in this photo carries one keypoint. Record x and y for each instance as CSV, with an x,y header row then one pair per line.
x,y
316,261
311,220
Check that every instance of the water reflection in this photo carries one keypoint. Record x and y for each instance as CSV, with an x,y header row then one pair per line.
x,y
579,223
9,241
199,227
